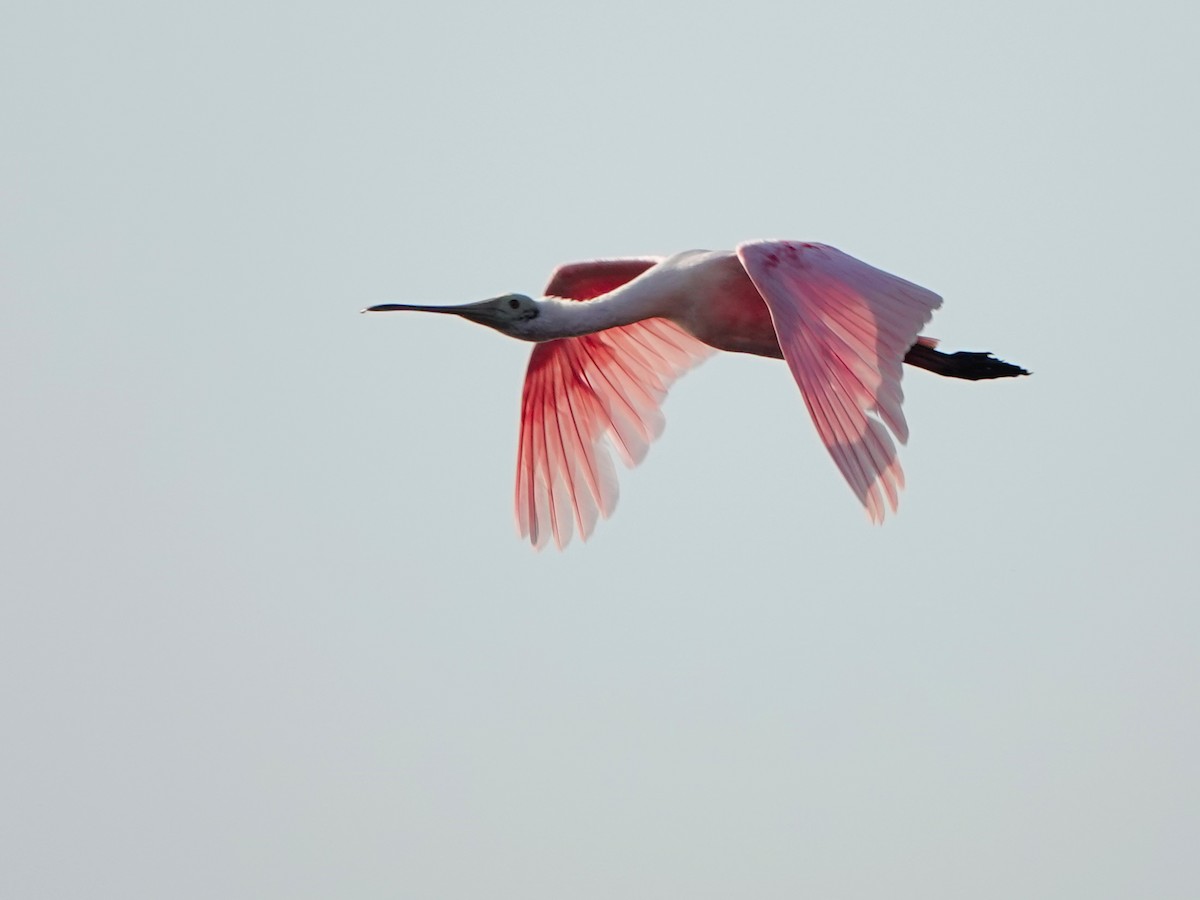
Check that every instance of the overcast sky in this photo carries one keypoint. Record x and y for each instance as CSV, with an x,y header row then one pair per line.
x,y
266,628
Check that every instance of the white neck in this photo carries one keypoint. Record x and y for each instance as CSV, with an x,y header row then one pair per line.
x,y
642,298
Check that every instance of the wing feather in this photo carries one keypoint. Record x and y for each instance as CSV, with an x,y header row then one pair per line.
x,y
588,280
582,397
588,395
844,327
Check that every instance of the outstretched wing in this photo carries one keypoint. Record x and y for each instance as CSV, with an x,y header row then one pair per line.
x,y
581,391
844,327
588,280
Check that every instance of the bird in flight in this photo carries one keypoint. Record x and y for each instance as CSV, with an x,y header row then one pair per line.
x,y
613,334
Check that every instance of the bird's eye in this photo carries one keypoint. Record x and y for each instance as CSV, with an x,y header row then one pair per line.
x,y
514,303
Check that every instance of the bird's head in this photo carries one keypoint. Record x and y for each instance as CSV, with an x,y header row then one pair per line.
x,y
512,314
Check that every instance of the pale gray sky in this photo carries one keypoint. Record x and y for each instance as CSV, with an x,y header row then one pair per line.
x,y
267,629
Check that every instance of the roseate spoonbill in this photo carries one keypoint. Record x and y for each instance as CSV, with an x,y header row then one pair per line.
x,y
602,368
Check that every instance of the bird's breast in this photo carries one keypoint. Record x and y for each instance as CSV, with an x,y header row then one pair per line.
x,y
726,311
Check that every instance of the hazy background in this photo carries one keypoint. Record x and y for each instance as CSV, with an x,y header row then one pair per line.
x,y
266,627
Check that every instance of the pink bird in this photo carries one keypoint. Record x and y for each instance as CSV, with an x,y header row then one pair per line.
x,y
601,368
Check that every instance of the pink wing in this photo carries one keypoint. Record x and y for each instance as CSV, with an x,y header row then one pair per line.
x,y
588,280
844,327
580,390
